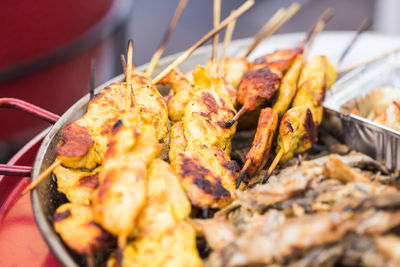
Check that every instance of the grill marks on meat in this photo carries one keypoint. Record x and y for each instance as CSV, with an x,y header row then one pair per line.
x,y
75,141
339,204
257,86
75,224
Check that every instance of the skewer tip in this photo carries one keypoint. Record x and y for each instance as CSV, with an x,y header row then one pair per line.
x,y
240,178
230,123
266,178
205,213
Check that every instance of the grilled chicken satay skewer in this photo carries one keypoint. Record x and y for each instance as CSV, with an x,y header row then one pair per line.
x,y
84,141
251,95
286,93
297,133
157,55
317,76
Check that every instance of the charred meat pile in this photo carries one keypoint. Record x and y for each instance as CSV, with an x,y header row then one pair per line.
x,y
326,211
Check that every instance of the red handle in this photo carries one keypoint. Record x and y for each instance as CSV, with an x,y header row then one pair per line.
x,y
29,108
33,110
14,170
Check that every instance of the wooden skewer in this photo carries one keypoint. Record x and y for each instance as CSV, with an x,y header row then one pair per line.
x,y
365,24
243,8
243,173
232,121
123,64
227,39
42,176
343,71
92,76
217,18
279,14
273,166
121,247
325,17
273,25
157,55
316,29
129,72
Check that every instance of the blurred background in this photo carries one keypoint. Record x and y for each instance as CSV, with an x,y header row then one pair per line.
x,y
46,46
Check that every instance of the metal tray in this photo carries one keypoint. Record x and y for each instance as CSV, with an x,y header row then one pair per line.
x,y
361,134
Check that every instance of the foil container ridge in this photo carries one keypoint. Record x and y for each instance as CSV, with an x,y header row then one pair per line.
x,y
359,133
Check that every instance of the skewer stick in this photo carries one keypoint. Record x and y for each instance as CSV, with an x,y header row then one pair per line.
x,y
232,121
42,176
325,17
238,12
123,63
174,21
279,14
129,72
243,173
227,39
365,24
217,18
273,165
92,76
373,59
273,25
121,247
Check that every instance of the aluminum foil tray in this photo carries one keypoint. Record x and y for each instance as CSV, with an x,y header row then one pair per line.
x,y
361,134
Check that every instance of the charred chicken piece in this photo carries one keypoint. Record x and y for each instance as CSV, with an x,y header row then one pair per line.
x,y
297,133
312,85
258,155
207,175
182,93
288,87
200,144
121,194
257,86
77,185
84,142
234,69
278,62
176,246
76,226
166,201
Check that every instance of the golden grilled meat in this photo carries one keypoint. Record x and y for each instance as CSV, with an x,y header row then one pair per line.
x,y
166,202
84,141
258,155
75,224
173,247
182,93
316,75
288,87
256,87
278,61
162,238
297,132
121,194
207,175
234,69
200,144
76,184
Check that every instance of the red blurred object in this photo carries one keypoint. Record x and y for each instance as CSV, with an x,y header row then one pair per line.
x,y
45,54
21,243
